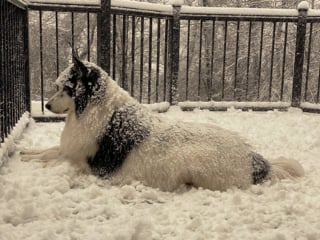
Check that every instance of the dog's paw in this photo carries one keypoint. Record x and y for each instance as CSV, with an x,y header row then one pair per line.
x,y
30,152
28,158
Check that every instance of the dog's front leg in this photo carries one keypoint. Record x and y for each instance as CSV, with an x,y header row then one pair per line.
x,y
40,155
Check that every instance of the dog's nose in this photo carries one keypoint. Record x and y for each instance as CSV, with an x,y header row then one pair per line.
x,y
48,106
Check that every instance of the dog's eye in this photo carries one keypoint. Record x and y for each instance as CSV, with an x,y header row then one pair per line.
x,y
67,90
58,87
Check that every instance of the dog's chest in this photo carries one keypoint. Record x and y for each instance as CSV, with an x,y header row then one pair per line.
x,y
79,140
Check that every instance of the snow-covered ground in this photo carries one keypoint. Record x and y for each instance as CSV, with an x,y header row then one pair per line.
x,y
54,202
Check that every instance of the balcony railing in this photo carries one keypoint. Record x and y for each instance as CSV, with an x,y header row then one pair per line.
x,y
14,66
161,52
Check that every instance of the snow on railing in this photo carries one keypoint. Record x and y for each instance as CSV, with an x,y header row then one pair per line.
x,y
229,73
141,6
19,3
67,2
8,147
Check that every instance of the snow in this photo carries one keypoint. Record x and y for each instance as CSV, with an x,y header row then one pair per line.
x,y
142,6
132,5
69,2
189,105
238,11
55,202
310,105
8,147
167,8
303,5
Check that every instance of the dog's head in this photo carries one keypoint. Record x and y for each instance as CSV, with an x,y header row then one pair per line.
x,y
78,85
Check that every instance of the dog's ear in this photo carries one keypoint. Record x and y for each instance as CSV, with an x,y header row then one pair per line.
x,y
79,67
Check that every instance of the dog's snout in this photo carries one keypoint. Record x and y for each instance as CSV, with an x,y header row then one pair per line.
x,y
48,106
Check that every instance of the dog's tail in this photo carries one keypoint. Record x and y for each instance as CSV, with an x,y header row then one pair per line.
x,y
285,168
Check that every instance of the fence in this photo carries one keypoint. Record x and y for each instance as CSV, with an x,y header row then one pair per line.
x,y
174,53
14,69
161,52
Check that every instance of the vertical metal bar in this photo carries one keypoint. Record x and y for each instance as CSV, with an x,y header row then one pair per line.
x,y
26,61
200,58
299,57
150,60
124,57
5,72
248,60
133,46
57,44
15,77
224,58
158,59
20,61
15,87
318,90
41,62
212,53
284,60
104,37
114,46
174,54
188,60
260,58
308,62
165,60
15,54
11,63
21,93
272,59
88,36
6,83
236,61
2,64
17,84
72,34
141,57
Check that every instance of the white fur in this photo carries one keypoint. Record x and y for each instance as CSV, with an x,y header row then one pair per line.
x,y
174,153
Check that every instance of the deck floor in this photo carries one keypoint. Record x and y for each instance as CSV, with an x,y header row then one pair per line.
x,y
55,202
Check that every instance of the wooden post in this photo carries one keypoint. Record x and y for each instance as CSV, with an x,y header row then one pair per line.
x,y
103,35
299,54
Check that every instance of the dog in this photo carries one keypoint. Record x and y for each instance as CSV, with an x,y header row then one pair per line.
x,y
108,133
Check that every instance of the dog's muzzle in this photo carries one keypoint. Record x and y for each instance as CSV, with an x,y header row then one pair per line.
x,y
48,106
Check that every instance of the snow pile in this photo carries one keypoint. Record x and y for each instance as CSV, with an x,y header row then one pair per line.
x,y
212,105
307,105
55,202
8,147
161,107
73,2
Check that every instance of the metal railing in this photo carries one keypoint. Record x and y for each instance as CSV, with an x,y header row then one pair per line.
x,y
174,53
14,69
162,53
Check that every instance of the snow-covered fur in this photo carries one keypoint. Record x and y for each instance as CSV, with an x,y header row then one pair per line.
x,y
110,134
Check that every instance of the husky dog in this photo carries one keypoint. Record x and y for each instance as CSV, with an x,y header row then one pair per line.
x,y
108,133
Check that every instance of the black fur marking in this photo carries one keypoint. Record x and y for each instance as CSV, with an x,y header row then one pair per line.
x,y
82,86
260,168
123,132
